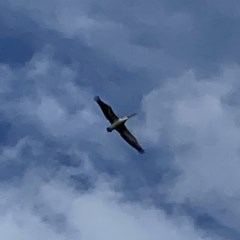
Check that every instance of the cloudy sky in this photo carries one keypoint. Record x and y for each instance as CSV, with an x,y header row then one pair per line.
x,y
175,63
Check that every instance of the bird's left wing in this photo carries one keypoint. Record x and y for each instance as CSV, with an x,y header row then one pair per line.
x,y
124,132
107,110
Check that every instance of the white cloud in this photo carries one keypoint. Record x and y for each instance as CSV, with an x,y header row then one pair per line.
x,y
190,114
56,105
183,112
105,27
97,214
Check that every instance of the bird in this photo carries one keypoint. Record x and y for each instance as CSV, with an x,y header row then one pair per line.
x,y
118,124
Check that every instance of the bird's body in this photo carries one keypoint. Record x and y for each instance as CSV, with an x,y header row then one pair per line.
x,y
118,124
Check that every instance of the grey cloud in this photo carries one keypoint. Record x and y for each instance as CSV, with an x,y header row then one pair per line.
x,y
131,51
40,155
95,214
203,134
201,36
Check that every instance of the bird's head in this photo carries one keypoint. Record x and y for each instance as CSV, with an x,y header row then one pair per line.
x,y
109,129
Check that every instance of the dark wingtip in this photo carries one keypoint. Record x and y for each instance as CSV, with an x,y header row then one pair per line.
x,y
141,151
96,98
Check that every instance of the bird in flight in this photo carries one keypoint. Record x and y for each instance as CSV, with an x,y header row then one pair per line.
x,y
118,124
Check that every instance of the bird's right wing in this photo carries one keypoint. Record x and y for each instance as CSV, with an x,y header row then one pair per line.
x,y
107,110
124,132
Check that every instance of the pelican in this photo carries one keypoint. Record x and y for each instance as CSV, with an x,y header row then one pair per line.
x,y
118,124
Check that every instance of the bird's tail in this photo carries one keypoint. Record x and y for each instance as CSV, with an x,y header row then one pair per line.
x,y
131,115
141,150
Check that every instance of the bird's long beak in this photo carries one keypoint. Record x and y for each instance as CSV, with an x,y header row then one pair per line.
x,y
131,115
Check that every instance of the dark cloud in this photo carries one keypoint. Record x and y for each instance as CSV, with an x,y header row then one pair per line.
x,y
174,63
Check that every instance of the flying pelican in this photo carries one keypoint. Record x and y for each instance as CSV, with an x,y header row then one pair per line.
x,y
118,124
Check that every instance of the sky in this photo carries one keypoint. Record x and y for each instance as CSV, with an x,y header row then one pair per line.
x,y
175,63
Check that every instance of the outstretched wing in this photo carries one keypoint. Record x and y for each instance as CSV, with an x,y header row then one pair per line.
x,y
107,110
124,132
